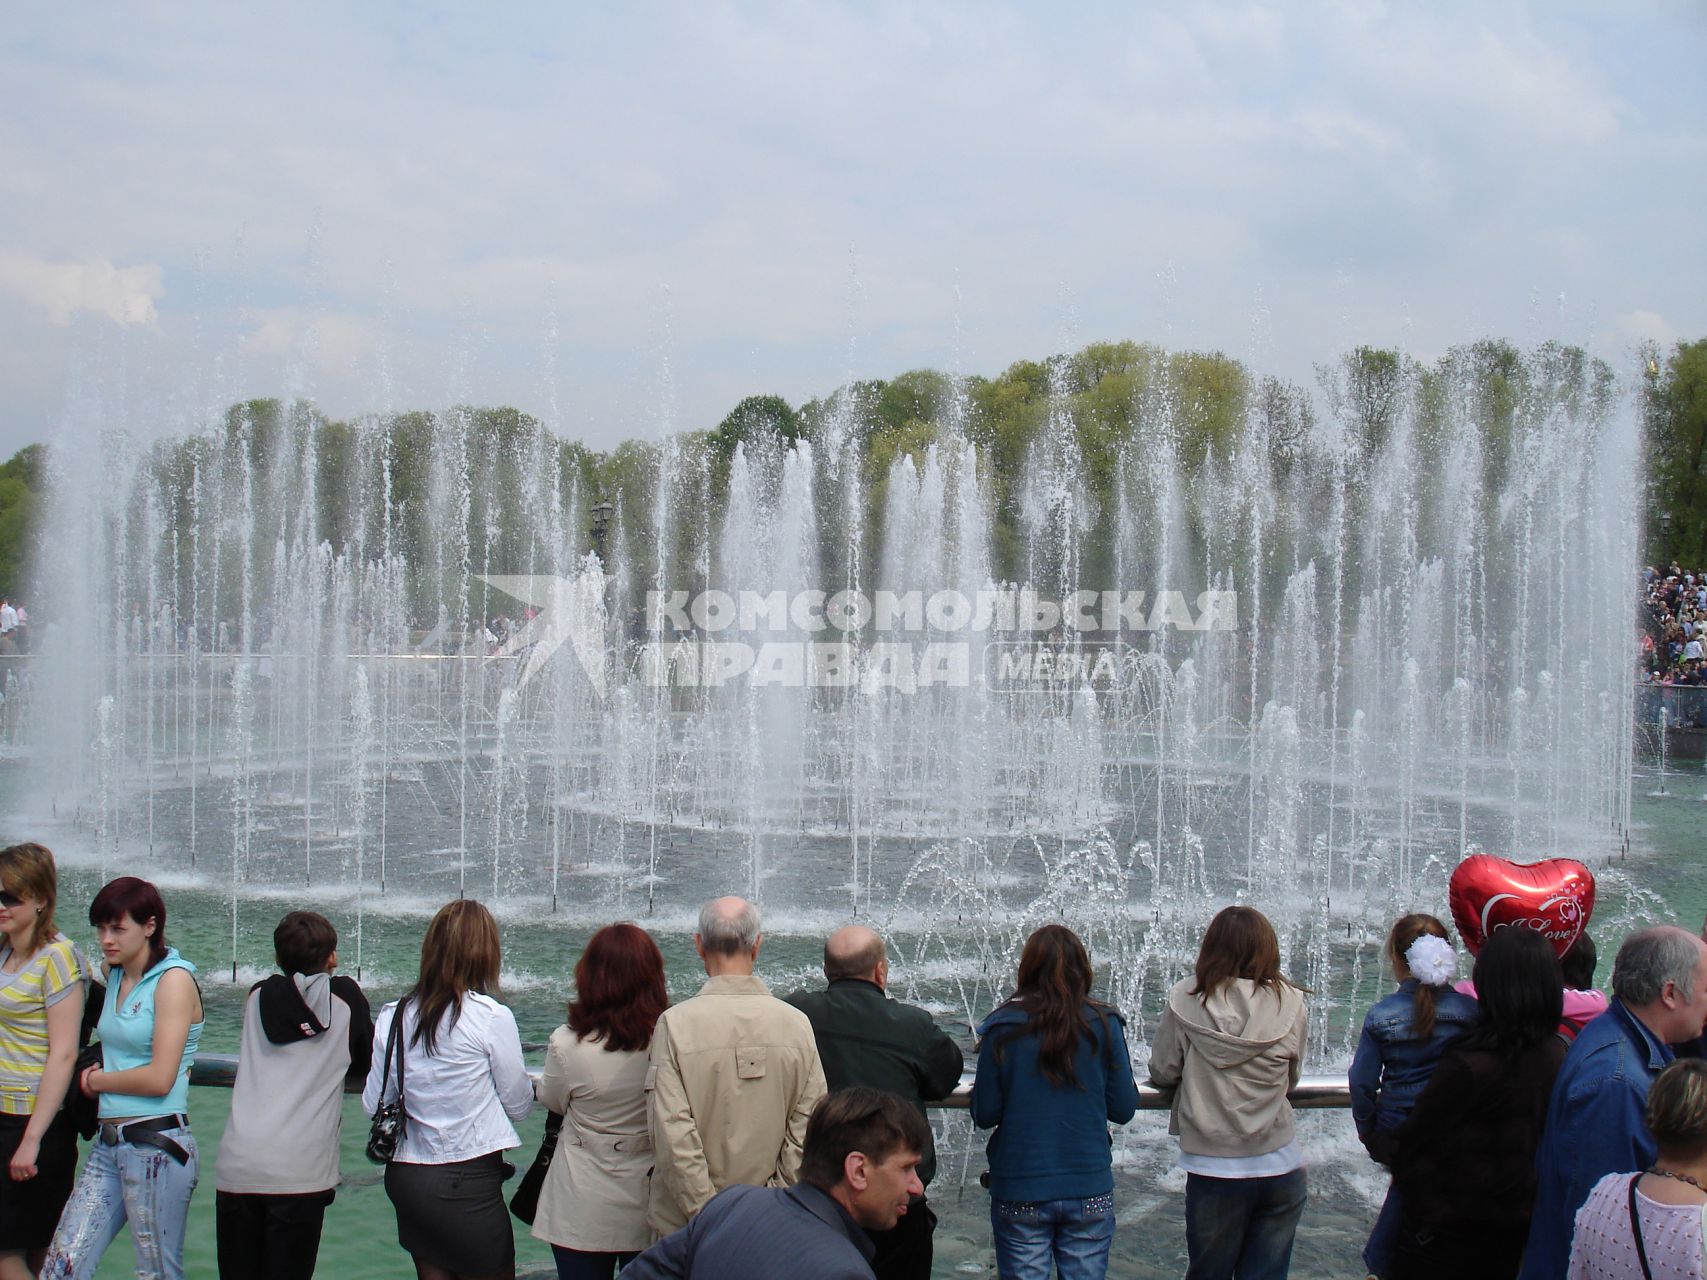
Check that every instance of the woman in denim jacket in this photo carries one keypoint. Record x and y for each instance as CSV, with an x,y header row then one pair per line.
x,y
1403,1038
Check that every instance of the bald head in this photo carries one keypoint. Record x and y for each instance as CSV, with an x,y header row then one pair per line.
x,y
854,951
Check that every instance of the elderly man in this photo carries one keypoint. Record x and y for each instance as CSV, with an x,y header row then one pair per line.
x,y
857,1174
1595,1120
734,1075
865,1038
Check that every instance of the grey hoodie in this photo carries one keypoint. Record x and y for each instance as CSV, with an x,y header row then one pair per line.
x,y
1230,1061
302,1035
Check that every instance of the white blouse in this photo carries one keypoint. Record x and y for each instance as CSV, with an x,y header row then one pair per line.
x,y
459,1102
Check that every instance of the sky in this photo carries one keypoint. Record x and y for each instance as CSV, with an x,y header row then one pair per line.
x,y
625,218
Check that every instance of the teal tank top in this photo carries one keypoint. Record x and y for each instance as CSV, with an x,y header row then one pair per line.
x,y
127,1040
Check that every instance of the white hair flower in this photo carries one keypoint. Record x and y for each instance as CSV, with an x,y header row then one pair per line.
x,y
1431,960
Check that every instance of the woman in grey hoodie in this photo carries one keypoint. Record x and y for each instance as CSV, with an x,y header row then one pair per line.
x,y
1230,1045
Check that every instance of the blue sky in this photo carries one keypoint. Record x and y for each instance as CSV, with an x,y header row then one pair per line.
x,y
386,206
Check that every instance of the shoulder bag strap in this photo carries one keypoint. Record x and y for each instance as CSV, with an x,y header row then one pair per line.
x,y
1636,1230
393,1049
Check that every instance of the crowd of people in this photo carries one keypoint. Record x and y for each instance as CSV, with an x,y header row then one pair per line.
x,y
1532,1127
1673,644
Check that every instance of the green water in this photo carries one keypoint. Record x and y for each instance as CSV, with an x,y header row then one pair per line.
x,y
1660,879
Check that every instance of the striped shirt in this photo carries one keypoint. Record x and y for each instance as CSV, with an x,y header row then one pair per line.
x,y
46,978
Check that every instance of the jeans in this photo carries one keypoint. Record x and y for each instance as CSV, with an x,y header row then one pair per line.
x,y
1378,1252
269,1237
143,1186
580,1264
1242,1228
1073,1234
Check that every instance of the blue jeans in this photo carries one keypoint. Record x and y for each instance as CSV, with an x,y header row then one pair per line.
x,y
579,1264
143,1186
1378,1252
1074,1235
1242,1228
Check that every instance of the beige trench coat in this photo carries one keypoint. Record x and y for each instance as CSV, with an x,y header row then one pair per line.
x,y
735,1074
594,1197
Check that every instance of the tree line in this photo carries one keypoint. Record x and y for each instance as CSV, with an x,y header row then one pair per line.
x,y
1104,399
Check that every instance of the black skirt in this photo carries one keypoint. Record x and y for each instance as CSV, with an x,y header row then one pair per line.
x,y
453,1215
29,1210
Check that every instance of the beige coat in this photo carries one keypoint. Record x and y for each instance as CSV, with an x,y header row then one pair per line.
x,y
594,1197
735,1074
1230,1062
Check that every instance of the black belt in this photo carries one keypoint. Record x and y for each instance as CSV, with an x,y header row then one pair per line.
x,y
148,1133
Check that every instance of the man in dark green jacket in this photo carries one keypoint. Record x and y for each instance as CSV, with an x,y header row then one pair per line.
x,y
865,1038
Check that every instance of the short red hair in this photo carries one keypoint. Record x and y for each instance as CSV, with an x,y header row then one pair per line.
x,y
619,988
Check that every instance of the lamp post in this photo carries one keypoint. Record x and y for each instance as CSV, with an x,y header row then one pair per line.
x,y
601,513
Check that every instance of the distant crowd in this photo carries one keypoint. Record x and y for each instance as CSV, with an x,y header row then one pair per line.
x,y
1532,1127
1673,644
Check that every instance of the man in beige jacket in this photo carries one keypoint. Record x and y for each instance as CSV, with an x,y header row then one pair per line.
x,y
734,1076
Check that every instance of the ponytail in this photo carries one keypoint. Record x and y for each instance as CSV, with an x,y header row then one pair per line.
x,y
1406,930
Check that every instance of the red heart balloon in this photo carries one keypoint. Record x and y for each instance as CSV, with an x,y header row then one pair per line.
x,y
1555,898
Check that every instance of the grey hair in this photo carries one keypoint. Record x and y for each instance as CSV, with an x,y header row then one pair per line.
x,y
1649,959
728,935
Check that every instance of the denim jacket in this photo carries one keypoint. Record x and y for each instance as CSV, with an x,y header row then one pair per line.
x,y
1392,1066
1596,1125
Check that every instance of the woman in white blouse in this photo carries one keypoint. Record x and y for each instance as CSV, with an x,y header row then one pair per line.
x,y
464,1082
592,1208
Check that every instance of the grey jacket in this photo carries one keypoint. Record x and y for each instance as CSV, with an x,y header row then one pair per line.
x,y
762,1233
302,1036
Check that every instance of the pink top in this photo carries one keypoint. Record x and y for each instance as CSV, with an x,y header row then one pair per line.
x,y
1580,1006
1604,1248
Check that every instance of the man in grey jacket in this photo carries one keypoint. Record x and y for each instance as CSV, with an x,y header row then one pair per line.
x,y
858,1172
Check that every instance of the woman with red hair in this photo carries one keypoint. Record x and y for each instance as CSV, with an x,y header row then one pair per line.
x,y
592,1208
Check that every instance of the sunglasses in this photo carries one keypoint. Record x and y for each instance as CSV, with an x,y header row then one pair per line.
x,y
9,899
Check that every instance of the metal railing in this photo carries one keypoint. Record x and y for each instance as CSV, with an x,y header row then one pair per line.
x,y
219,1071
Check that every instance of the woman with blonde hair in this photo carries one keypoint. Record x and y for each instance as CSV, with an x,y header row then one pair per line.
x,y
43,981
1230,1046
1649,1223
592,1208
463,1084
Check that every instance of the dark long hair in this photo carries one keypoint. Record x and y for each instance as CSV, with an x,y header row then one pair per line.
x,y
1405,931
1520,989
459,954
1053,988
619,988
1239,943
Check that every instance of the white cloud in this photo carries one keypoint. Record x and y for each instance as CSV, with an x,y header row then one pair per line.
x,y
1647,326
408,196
65,289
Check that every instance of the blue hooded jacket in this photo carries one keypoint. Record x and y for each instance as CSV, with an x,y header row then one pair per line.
x,y
1051,1141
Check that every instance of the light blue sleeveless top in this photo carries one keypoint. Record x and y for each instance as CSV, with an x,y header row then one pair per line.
x,y
127,1040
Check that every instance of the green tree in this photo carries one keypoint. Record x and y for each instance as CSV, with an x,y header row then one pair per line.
x,y
1677,424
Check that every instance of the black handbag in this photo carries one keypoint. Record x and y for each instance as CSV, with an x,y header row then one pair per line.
x,y
525,1203
386,1132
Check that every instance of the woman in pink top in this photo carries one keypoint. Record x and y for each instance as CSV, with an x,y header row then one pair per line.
x,y
1649,1224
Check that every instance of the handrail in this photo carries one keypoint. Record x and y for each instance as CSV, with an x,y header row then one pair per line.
x,y
219,1071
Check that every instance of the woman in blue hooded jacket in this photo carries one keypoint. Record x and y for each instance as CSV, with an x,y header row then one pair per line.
x,y
1053,1071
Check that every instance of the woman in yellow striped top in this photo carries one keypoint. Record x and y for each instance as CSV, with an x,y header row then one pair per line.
x,y
41,1016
